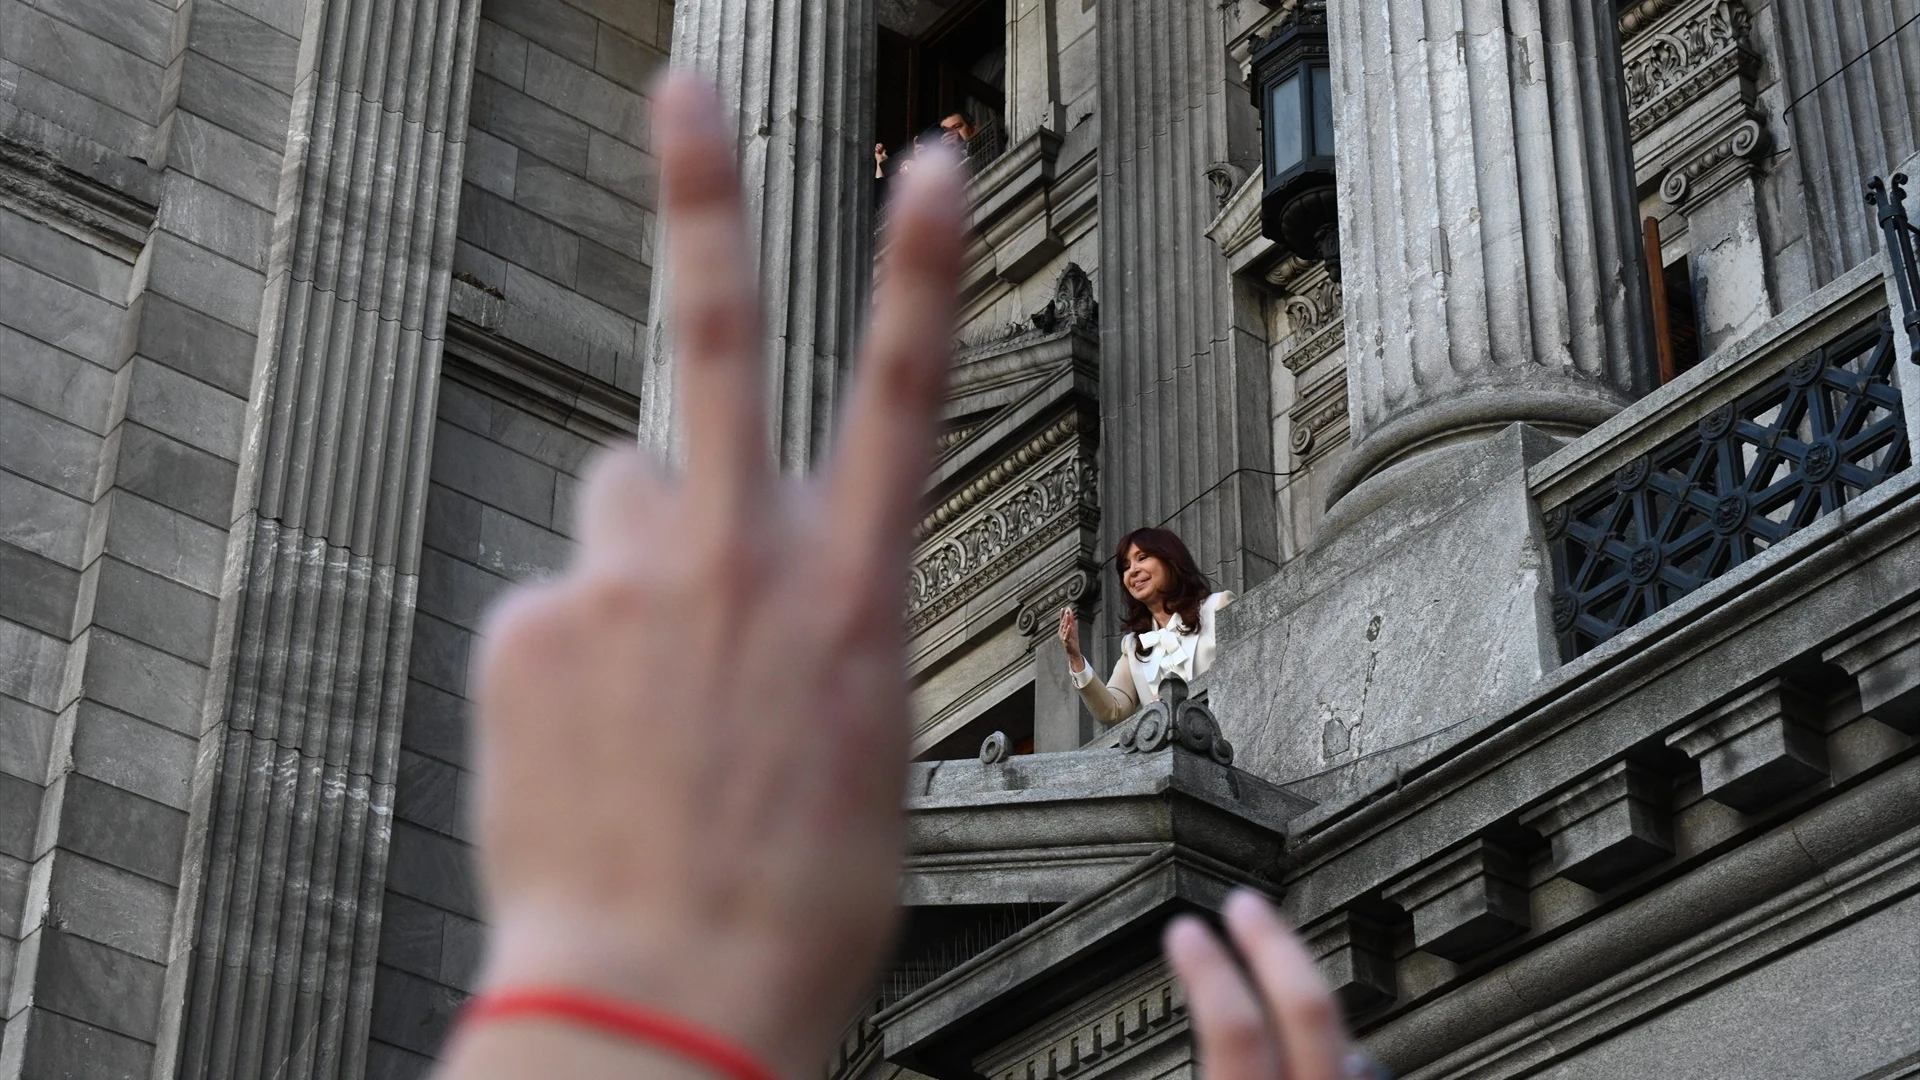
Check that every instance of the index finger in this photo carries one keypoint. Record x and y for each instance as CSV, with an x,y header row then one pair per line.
x,y
881,462
714,300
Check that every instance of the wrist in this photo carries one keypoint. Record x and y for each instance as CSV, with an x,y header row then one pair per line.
x,y
723,987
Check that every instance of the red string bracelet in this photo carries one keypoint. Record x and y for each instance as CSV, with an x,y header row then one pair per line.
x,y
624,1019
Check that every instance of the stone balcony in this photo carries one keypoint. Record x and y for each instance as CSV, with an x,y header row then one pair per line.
x,y
1074,862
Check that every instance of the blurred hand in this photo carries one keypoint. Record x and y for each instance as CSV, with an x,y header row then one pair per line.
x,y
1070,637
692,746
1280,1025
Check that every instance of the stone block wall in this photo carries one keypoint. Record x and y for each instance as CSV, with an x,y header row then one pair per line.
x,y
141,153
557,212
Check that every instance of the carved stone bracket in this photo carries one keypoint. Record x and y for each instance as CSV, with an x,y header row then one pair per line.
x,y
1313,310
1466,903
1757,748
1079,588
1607,827
1176,720
1355,956
1706,172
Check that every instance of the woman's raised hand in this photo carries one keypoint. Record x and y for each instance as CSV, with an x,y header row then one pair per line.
x,y
1070,637
692,745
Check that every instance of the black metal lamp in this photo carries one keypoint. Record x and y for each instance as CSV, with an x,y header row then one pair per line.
x,y
1293,88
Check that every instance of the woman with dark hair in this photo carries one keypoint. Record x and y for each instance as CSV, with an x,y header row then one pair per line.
x,y
1169,623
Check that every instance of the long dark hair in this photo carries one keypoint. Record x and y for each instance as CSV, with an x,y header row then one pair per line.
x,y
1185,594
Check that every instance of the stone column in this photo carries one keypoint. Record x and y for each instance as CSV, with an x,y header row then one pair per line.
x,y
299,770
800,72
1184,393
1489,235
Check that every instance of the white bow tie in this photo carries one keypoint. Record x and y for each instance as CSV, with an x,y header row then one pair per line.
x,y
1168,652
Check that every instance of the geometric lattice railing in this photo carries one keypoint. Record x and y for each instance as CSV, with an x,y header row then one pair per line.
x,y
1748,475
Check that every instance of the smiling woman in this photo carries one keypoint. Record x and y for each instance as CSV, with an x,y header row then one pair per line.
x,y
1168,622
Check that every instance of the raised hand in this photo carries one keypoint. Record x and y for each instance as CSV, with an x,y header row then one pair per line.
x,y
1070,637
692,745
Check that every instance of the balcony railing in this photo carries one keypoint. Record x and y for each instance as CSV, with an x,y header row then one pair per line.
x,y
1750,473
1732,461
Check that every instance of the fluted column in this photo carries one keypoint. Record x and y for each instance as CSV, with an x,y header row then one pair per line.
x,y
800,74
296,846
1488,222
1184,393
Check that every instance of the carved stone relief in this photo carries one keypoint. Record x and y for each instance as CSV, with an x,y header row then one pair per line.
x,y
1691,103
995,524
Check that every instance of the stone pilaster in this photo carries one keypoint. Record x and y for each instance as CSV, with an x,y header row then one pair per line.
x,y
800,74
1700,138
299,771
1184,384
1489,230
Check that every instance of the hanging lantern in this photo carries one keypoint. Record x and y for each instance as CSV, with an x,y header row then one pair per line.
x,y
1293,87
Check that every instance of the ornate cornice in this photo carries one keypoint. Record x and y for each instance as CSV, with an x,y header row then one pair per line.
x,y
1685,52
989,483
38,187
985,545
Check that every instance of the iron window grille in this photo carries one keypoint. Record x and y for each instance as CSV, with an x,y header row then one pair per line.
x,y
1750,474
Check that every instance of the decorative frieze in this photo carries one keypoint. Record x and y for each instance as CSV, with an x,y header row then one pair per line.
x,y
1682,54
1608,827
993,480
1465,903
1756,748
1021,519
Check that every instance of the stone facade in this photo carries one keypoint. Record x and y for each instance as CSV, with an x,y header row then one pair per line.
x,y
1570,755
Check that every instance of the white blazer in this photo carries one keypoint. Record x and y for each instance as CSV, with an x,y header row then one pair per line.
x,y
1174,649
